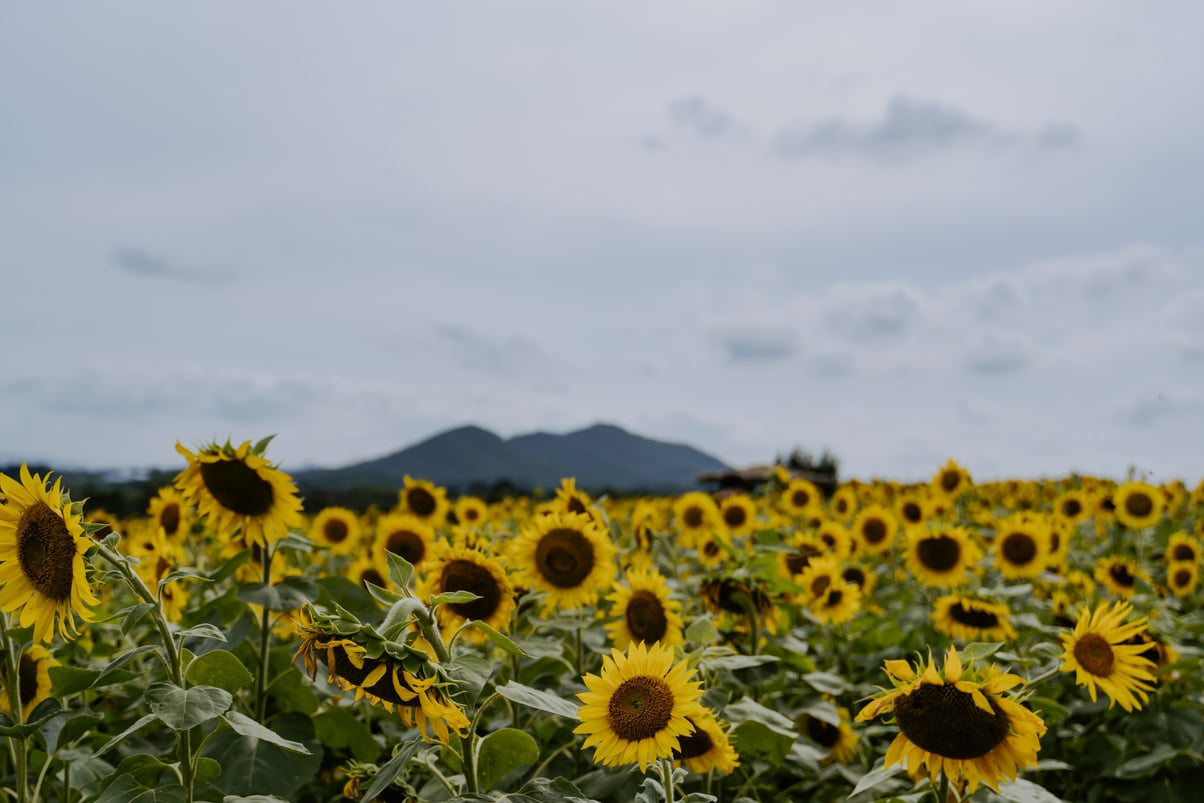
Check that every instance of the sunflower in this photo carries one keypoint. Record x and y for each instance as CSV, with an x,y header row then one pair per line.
x,y
42,546
404,535
739,514
638,709
950,480
397,676
1120,575
941,558
835,536
912,509
723,596
1098,655
471,511
643,611
458,568
843,503
959,724
567,555
874,529
860,576
972,619
171,513
714,549
696,515
800,498
423,500
1061,533
837,603
707,748
838,739
237,488
1182,548
1021,546
815,577
336,528
1181,578
33,680
1138,504
1073,506
572,500
804,548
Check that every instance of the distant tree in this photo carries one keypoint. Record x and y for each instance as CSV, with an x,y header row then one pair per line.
x,y
824,470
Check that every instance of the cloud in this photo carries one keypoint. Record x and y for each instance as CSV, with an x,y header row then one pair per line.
x,y
872,313
150,266
1163,408
911,129
757,344
509,357
702,119
996,355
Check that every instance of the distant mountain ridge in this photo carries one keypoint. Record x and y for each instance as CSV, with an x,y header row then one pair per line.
x,y
602,456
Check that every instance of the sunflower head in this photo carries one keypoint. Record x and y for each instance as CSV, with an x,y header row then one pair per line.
x,y
643,611
567,555
707,748
1103,656
424,501
942,557
460,568
950,480
337,529
1138,504
33,680
170,513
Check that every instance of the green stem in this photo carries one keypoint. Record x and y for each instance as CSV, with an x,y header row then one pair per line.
x,y
265,633
18,745
667,778
943,795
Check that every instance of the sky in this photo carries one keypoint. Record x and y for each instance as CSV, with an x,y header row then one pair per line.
x,y
901,232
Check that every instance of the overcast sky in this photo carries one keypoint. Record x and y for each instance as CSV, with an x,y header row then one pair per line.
x,y
905,232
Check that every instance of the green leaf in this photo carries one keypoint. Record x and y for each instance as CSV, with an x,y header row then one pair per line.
x,y
66,680
253,799
976,651
340,729
287,595
134,614
252,766
243,724
183,573
503,751
182,709
126,789
453,597
499,639
203,630
760,731
401,571
702,631
875,777
66,726
219,668
826,682
146,771
1022,791
541,700
732,663
206,770
1145,765
392,768
142,722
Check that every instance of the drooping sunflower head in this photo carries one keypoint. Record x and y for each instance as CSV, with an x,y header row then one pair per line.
x,y
237,491
950,480
1021,546
874,529
638,709
968,618
1138,504
43,575
642,610
566,555
942,557
707,748
170,513
337,529
459,568
958,721
1099,656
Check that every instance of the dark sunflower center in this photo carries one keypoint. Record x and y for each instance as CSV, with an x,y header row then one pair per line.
x,y
646,617
710,548
1183,552
564,557
372,576
464,575
1139,504
944,720
1019,549
575,505
874,530
1055,541
1071,508
939,554
237,487
841,506
735,516
27,679
692,518
797,561
800,498
835,595
46,551
820,584
169,518
822,733
382,688
1181,578
335,531
471,514
694,745
950,480
640,708
1094,654
1121,574
913,513
406,544
972,616
722,594
421,502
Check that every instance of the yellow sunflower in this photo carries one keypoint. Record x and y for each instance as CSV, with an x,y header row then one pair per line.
x,y
874,529
804,547
800,498
959,724
1138,504
1073,506
639,708
571,499
1182,548
696,515
471,511
33,680
336,528
714,549
458,568
912,509
707,748
843,503
739,514
1182,578
1021,546
1098,655
972,619
837,603
643,611
942,557
171,513
950,480
1120,575
42,544
835,536
238,489
838,738
860,576
424,501
404,535
364,571
567,555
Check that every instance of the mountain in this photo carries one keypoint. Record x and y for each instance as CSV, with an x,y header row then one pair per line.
x,y
599,457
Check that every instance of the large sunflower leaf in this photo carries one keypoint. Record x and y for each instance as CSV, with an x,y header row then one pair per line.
x,y
542,700
503,751
219,668
182,709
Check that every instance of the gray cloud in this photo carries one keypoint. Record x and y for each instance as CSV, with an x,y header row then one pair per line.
x,y
146,265
873,313
911,129
509,357
756,345
702,119
1162,408
995,361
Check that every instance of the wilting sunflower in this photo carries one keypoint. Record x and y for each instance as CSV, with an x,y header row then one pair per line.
x,y
696,515
644,611
739,514
1182,578
950,480
458,568
1138,504
171,513
707,748
336,528
42,546
1073,506
874,529
471,511
959,724
1021,546
1120,575
1098,655
1182,548
238,489
567,555
423,500
800,498
33,680
838,739
389,674
942,557
638,709
404,535
972,619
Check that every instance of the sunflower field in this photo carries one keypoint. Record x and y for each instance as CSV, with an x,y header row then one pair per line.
x,y
1022,640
